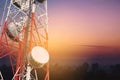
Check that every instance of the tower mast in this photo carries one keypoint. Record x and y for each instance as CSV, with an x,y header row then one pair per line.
x,y
25,27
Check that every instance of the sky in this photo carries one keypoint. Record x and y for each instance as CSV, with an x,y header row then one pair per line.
x,y
84,30
81,30
85,22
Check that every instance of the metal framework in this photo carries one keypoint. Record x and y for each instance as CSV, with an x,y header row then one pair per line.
x,y
31,21
1,77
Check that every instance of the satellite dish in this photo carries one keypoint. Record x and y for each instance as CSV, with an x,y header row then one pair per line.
x,y
13,31
38,56
21,4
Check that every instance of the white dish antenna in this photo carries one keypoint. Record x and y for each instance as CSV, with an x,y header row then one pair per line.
x,y
14,31
38,56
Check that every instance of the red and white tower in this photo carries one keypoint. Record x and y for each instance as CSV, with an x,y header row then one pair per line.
x,y
24,38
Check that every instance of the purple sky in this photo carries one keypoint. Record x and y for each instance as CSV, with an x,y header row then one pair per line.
x,y
83,29
84,22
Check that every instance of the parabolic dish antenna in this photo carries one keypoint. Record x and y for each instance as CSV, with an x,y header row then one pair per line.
x,y
38,56
14,31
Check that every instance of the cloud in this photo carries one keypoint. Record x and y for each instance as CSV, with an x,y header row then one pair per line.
x,y
96,46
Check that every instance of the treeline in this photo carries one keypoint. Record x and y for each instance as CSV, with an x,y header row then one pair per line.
x,y
83,72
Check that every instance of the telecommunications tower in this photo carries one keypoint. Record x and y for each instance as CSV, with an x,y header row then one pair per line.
x,y
24,38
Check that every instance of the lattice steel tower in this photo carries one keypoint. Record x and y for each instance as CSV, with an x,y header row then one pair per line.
x,y
24,38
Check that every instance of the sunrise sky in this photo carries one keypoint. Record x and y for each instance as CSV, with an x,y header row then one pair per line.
x,y
84,31
80,28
